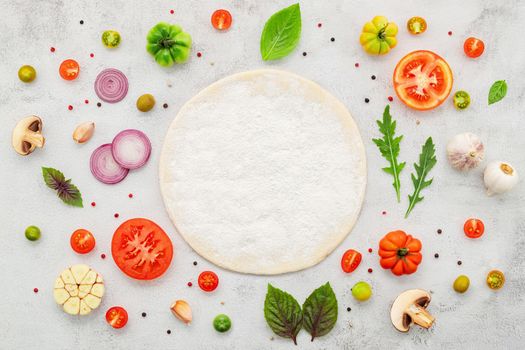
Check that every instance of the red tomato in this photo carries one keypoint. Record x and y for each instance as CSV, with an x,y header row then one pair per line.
x,y
473,47
141,249
350,260
474,228
208,281
117,317
82,241
422,80
221,19
69,69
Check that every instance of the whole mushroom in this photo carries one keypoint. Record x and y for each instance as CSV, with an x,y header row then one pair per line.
x,y
410,307
27,135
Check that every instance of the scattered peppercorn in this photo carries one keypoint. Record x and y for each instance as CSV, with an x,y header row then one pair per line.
x,y
103,256
190,284
319,25
143,314
367,100
194,263
93,204
332,39
91,55
373,77
70,107
52,49
390,98
81,22
356,65
130,195
439,231
199,54
436,255
370,270
304,53
370,250
35,290
86,101
165,105
348,309
168,331
172,11
450,33
384,212
459,262
99,104
116,215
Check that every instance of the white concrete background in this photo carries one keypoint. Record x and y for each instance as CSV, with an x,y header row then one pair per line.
x,y
479,319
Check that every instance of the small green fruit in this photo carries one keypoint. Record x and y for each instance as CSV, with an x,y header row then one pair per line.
x,y
461,284
222,323
27,74
111,38
145,102
362,291
32,233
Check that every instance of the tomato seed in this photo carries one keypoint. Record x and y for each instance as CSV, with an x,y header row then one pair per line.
x,y
52,49
116,215
70,107
35,290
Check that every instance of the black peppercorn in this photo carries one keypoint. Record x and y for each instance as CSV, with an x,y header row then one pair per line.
x,y
143,314
99,104
367,100
436,255
373,77
81,21
332,39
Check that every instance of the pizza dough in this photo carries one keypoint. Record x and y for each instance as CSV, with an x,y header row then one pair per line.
x,y
263,172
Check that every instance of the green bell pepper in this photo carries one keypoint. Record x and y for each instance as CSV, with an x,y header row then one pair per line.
x,y
169,44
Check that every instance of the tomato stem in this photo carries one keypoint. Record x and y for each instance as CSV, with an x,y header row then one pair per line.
x,y
402,252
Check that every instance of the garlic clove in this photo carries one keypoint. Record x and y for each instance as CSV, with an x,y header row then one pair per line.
x,y
182,310
83,132
500,177
465,151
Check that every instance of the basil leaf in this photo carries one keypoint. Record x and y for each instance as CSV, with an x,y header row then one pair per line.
x,y
66,191
281,33
320,311
282,313
498,90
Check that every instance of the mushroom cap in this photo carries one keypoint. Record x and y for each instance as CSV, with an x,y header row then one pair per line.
x,y
400,319
21,141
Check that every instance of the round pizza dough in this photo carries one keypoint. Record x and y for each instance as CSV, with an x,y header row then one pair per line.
x,y
263,172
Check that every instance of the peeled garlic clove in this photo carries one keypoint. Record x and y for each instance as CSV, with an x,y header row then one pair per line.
x,y
465,151
83,132
500,177
182,310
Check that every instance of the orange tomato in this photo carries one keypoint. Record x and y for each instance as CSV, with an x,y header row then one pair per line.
x,y
69,69
422,80
400,253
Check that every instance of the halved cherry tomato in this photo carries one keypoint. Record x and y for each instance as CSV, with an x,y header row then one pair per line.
x,y
416,25
221,19
117,317
350,260
473,47
208,281
69,69
82,241
422,80
141,249
474,228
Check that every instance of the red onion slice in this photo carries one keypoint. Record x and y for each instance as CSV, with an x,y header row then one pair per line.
x,y
103,166
131,148
111,85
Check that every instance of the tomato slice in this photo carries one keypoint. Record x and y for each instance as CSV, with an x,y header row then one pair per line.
x,y
82,241
141,249
350,260
208,281
117,317
69,69
474,228
422,80
473,47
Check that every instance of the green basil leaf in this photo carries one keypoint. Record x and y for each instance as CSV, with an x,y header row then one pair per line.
x,y
281,33
320,311
66,191
283,313
498,90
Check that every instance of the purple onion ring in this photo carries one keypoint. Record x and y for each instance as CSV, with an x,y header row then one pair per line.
x,y
104,168
111,85
131,148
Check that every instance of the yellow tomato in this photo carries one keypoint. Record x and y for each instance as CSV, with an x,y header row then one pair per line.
x,y
378,36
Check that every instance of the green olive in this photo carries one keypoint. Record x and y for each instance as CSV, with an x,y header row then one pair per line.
x,y
461,284
145,102
111,38
27,74
222,323
362,291
32,233
461,99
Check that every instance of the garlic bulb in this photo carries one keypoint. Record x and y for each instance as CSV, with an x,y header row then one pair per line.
x,y
500,177
465,151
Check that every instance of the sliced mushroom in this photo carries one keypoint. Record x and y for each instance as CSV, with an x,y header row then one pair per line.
x,y
410,307
27,135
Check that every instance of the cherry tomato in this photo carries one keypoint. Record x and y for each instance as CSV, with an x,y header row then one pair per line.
x,y
208,281
27,74
69,70
416,25
221,19
117,317
473,47
495,279
350,260
422,80
474,228
82,241
461,99
141,249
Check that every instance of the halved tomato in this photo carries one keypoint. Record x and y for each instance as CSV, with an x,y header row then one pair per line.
x,y
82,241
141,249
117,317
208,281
474,228
422,80
473,47
350,260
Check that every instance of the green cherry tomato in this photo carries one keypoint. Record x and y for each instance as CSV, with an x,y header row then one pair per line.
x,y
32,233
168,43
222,323
461,99
111,38
27,74
145,102
461,284
362,291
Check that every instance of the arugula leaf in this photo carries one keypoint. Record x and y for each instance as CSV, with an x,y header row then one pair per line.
x,y
66,191
389,148
320,311
281,33
283,313
427,160
498,90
